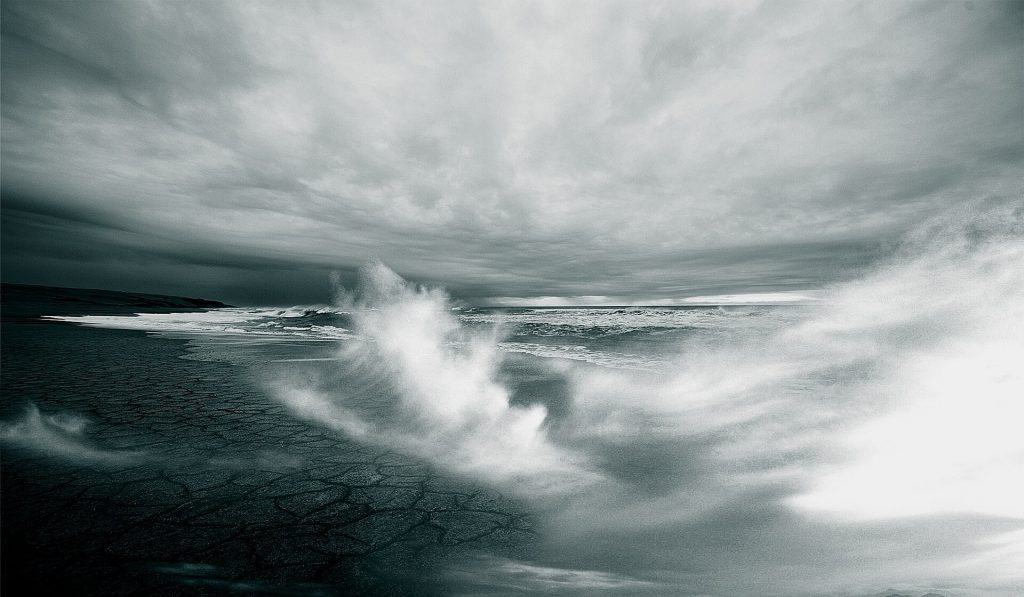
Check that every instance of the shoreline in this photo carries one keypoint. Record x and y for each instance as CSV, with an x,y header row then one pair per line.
x,y
185,474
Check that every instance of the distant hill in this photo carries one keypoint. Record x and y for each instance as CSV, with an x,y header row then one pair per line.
x,y
20,301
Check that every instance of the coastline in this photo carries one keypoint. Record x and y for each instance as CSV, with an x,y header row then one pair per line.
x,y
174,475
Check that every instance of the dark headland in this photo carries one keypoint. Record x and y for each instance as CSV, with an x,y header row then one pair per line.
x,y
27,301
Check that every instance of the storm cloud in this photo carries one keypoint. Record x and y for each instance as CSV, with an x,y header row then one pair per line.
x,y
244,150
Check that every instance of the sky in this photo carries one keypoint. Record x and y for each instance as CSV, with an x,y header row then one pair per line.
x,y
513,152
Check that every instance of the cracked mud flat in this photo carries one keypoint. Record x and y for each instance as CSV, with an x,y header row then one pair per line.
x,y
212,488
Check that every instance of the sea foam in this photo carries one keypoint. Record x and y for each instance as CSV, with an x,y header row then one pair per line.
x,y
438,384
896,397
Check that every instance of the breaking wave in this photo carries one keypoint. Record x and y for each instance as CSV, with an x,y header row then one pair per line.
x,y
419,381
896,398
873,436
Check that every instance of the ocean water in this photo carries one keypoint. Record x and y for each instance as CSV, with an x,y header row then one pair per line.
x,y
635,338
864,442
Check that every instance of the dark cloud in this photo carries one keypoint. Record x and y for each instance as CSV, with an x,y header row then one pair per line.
x,y
58,244
502,149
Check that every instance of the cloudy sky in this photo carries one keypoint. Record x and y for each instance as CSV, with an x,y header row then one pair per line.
x,y
641,150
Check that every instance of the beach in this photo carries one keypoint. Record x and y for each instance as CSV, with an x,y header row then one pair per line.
x,y
401,443
148,473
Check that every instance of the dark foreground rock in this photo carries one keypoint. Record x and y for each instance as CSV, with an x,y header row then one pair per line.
x,y
189,479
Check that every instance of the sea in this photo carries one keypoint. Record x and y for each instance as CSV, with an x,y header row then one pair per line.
x,y
866,443
631,338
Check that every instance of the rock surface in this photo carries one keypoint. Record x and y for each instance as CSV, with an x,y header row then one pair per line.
x,y
189,479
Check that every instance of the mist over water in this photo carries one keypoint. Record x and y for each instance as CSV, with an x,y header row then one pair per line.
x,y
873,441
867,441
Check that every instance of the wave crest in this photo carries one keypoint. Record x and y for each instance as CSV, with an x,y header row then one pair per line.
x,y
419,381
